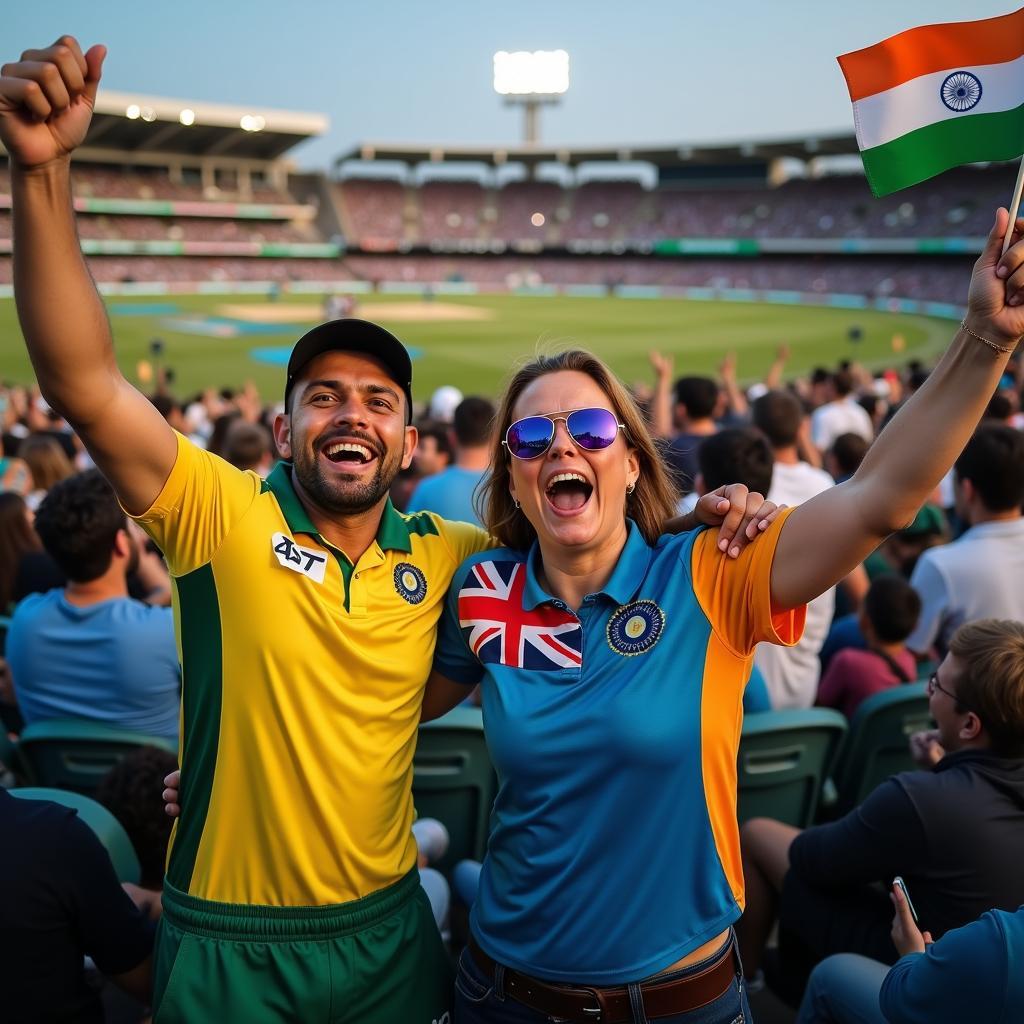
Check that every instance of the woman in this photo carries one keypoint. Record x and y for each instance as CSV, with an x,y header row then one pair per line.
x,y
17,538
612,665
48,463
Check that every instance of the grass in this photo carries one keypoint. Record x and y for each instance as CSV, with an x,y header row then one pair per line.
x,y
476,356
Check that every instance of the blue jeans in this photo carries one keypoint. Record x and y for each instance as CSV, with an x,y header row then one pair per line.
x,y
479,1001
844,990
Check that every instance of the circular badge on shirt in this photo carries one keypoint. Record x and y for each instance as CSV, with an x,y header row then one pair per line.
x,y
635,627
410,582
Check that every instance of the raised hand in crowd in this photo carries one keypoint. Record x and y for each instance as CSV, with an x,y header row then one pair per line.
x,y
661,402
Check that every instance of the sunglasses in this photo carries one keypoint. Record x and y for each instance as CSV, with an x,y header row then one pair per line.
x,y
591,429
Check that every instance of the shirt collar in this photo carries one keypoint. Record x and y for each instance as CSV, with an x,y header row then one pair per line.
x,y
393,533
622,585
998,527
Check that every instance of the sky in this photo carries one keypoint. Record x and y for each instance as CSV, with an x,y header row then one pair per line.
x,y
648,71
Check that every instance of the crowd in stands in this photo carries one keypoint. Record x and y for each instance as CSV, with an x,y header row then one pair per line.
x,y
624,211
377,215
108,182
189,229
875,278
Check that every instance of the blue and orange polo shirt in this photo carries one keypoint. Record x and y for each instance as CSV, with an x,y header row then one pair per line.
x,y
614,846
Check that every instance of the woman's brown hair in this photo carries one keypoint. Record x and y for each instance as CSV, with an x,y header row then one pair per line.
x,y
47,460
16,538
653,500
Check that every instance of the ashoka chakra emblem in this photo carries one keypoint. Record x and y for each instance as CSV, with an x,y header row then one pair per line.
x,y
961,91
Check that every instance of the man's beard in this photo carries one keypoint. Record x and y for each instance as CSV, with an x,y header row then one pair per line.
x,y
345,494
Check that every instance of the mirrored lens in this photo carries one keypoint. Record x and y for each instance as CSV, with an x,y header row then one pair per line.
x,y
592,429
529,438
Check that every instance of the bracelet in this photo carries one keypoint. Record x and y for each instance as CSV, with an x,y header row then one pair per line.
x,y
985,341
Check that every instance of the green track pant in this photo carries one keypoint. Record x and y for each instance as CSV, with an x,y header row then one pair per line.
x,y
378,960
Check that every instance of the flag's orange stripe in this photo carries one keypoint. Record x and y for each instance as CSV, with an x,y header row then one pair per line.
x,y
931,48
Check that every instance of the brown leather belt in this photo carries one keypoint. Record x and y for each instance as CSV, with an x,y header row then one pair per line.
x,y
587,1005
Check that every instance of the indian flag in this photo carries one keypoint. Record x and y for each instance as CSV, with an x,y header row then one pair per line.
x,y
937,96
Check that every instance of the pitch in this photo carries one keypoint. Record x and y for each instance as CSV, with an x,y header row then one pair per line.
x,y
476,350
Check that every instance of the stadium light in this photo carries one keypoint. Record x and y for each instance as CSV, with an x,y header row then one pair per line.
x,y
133,111
530,79
541,73
187,117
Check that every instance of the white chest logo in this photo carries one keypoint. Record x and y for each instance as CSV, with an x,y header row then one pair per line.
x,y
302,560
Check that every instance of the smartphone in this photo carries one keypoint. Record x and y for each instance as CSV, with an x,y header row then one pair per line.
x,y
898,883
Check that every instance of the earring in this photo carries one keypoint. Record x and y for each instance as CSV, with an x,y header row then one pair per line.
x,y
630,488
516,500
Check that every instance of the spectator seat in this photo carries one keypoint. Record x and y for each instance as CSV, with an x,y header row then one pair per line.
x,y
75,754
878,744
784,759
454,781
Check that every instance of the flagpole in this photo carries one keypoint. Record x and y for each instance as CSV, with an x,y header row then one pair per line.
x,y
1014,205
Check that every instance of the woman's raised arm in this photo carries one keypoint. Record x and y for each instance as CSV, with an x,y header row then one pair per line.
x,y
827,536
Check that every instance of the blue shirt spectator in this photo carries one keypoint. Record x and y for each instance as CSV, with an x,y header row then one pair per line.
x,y
114,662
449,494
88,650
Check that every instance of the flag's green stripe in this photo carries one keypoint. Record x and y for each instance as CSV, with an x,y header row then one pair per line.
x,y
973,138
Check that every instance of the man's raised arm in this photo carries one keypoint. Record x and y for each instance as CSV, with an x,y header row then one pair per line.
x,y
46,102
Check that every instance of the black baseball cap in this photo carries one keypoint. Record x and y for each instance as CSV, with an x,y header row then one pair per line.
x,y
353,335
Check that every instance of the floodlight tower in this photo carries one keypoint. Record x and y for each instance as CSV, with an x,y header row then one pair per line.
x,y
531,80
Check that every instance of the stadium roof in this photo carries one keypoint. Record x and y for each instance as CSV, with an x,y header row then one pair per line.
x,y
662,156
159,124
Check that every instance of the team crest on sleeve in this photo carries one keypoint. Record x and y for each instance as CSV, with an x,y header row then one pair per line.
x,y
635,628
410,582
499,631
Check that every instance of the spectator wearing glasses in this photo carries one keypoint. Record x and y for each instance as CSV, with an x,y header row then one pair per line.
x,y
954,830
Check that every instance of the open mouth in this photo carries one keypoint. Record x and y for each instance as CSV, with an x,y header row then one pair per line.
x,y
348,452
568,492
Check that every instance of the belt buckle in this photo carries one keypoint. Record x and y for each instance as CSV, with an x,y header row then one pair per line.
x,y
596,1015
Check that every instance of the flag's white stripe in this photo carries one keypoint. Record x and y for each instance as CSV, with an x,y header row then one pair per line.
x,y
891,114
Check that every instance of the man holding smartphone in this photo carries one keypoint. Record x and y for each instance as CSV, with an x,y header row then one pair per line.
x,y
954,831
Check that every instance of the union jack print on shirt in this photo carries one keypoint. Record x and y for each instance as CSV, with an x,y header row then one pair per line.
x,y
500,631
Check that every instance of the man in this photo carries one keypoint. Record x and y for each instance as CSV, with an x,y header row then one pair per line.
x,y
88,650
450,492
696,399
840,414
307,609
955,831
60,901
980,574
247,446
792,673
298,724
433,452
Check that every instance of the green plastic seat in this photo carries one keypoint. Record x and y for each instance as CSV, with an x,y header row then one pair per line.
x,y
878,743
454,781
108,829
75,754
784,759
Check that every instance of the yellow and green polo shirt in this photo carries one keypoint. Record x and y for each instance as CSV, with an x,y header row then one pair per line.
x,y
302,680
